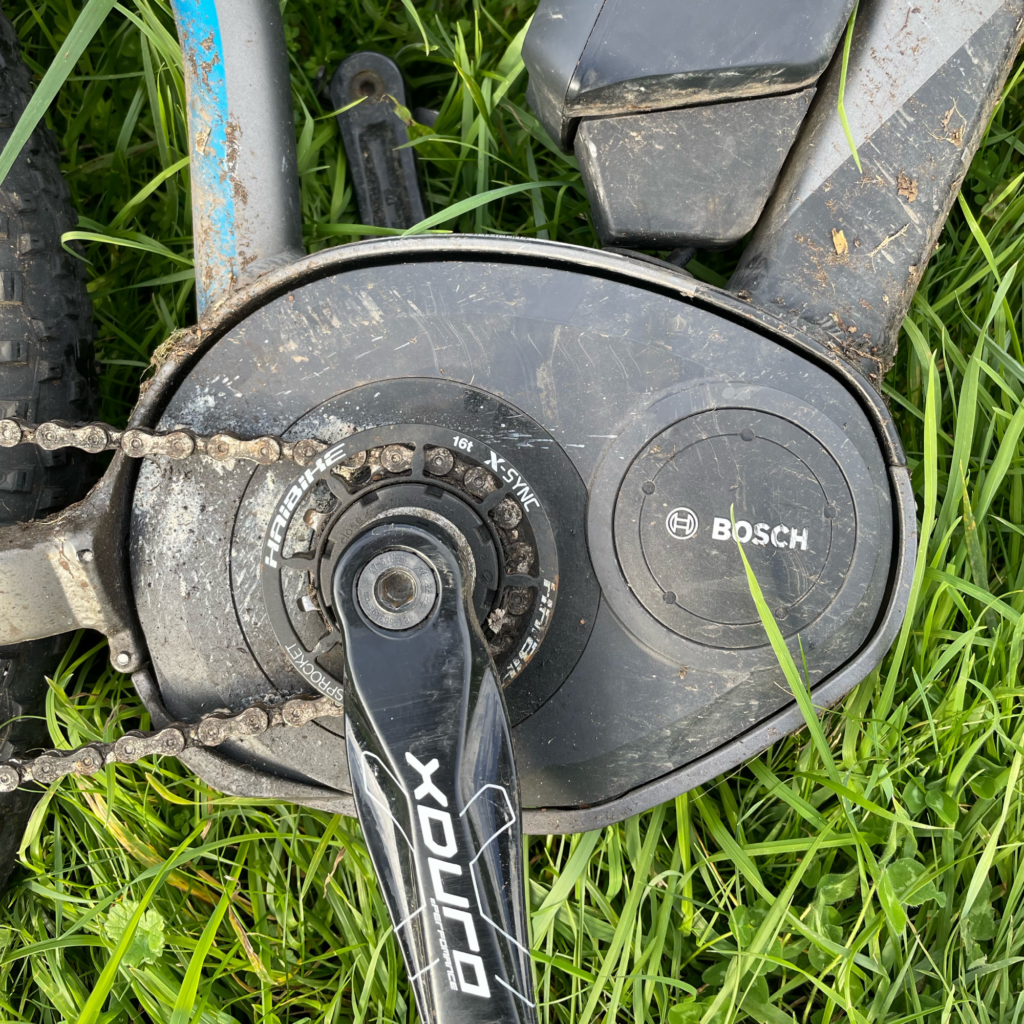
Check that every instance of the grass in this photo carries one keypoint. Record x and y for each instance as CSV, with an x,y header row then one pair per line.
x,y
867,869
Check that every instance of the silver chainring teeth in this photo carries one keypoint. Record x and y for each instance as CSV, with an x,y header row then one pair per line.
x,y
404,472
506,620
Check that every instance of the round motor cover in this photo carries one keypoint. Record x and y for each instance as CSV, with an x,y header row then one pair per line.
x,y
747,476
645,425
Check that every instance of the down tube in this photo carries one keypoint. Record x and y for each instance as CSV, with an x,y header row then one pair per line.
x,y
245,184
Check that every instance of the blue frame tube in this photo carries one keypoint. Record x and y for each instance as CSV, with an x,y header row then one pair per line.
x,y
246,216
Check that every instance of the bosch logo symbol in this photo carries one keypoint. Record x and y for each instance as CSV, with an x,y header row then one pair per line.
x,y
682,523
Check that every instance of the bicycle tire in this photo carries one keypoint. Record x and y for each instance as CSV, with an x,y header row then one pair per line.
x,y
46,372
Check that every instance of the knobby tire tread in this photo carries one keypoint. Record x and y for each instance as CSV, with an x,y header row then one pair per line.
x,y
46,372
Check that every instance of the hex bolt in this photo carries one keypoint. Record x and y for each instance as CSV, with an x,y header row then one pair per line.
x,y
479,482
518,600
440,461
395,588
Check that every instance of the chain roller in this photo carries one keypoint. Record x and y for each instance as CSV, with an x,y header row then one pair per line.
x,y
210,731
139,443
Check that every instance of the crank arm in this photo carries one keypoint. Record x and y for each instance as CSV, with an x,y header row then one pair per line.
x,y
433,774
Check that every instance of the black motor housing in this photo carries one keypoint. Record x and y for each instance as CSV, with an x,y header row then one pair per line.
x,y
643,423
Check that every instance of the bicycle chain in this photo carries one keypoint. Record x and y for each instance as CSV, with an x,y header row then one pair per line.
x,y
173,740
213,729
139,443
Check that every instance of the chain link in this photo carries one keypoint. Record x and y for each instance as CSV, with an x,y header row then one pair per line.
x,y
214,729
139,443
210,731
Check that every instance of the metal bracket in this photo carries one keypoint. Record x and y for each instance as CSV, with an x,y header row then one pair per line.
x,y
68,572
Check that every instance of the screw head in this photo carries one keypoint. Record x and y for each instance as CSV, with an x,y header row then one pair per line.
x,y
440,461
396,458
123,659
397,589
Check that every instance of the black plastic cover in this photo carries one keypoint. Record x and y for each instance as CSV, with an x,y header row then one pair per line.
x,y
594,357
697,176
589,58
383,172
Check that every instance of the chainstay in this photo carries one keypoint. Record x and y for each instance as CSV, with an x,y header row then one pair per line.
x,y
173,740
139,443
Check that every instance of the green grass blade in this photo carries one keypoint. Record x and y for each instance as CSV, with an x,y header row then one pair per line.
x,y
931,487
185,1003
85,27
788,665
457,210
841,106
91,1011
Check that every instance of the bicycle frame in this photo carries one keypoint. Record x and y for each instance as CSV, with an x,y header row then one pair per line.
x,y
245,178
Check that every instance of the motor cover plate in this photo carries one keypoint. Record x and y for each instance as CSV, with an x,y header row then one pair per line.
x,y
793,509
596,363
